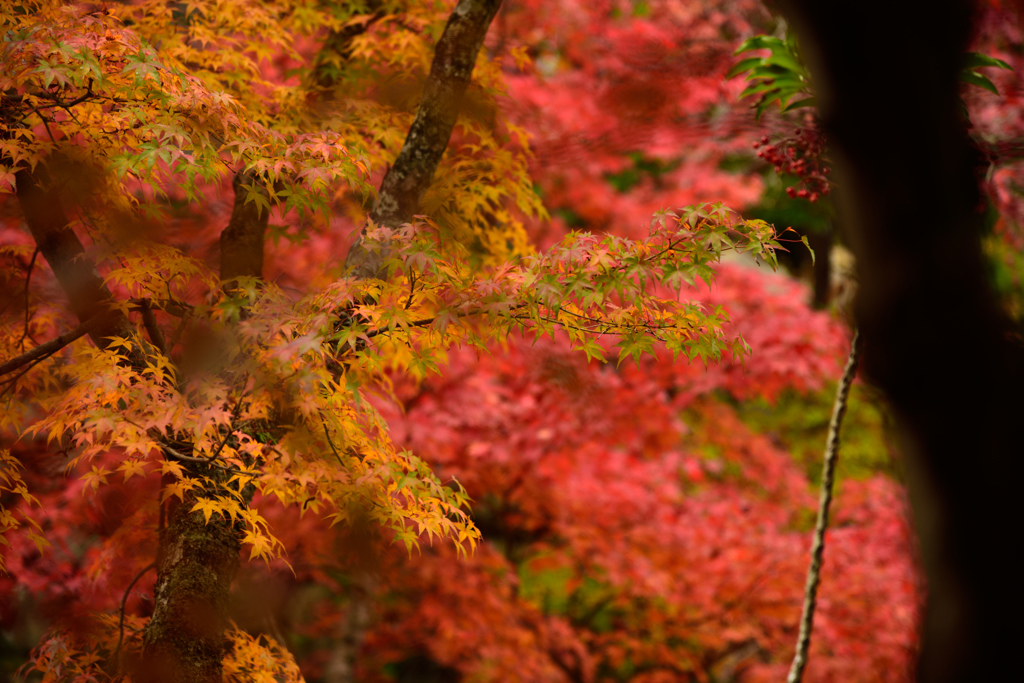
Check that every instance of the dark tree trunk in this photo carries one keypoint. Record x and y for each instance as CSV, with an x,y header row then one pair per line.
x,y
64,252
241,243
409,177
935,340
821,271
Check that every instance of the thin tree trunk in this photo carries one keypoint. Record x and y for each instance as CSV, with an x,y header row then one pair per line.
x,y
89,297
803,641
398,201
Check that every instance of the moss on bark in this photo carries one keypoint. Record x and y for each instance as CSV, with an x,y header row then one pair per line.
x,y
184,641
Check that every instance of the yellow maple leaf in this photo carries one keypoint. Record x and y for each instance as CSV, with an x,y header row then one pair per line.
x,y
207,506
132,468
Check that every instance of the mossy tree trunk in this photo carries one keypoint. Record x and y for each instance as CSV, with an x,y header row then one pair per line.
x,y
184,641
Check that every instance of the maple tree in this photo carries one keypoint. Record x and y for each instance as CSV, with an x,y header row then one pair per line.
x,y
192,175
276,386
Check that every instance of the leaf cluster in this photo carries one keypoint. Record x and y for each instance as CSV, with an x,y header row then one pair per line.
x,y
780,77
593,289
86,93
13,486
976,60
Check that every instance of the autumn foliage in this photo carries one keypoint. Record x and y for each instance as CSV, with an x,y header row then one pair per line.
x,y
526,448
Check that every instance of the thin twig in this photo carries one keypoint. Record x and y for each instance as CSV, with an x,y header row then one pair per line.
x,y
28,281
171,306
803,641
329,442
124,601
12,382
412,289
46,123
177,455
422,322
235,412
57,102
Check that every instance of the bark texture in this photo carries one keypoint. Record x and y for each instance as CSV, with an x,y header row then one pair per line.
x,y
403,186
398,201
184,640
936,341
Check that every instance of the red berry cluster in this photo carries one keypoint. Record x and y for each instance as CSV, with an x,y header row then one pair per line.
x,y
801,154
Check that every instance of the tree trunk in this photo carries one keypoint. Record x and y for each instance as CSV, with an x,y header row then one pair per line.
x,y
409,177
197,559
184,640
196,562
936,341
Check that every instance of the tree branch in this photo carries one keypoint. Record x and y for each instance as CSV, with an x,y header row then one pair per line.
x,y
28,281
124,602
339,44
398,200
62,249
52,346
803,641
152,329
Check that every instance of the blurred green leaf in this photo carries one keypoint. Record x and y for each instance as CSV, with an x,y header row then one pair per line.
x,y
808,102
758,88
787,61
759,43
977,60
975,78
744,65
